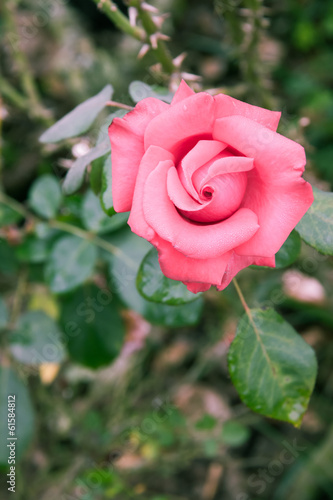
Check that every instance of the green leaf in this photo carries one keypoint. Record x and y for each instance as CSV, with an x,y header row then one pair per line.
x,y
234,433
173,316
33,249
124,269
106,192
272,367
140,90
93,328
316,227
79,119
10,384
36,339
8,216
4,316
96,173
206,423
154,286
95,219
71,263
289,251
8,263
36,247
103,132
75,176
45,196
210,447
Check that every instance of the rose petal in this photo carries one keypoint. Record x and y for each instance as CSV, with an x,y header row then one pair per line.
x,y
193,240
227,193
200,154
178,194
126,136
275,155
229,106
177,266
278,210
238,262
231,164
197,287
182,93
275,191
152,157
180,126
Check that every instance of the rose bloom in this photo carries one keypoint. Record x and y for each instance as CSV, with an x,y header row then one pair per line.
x,y
209,182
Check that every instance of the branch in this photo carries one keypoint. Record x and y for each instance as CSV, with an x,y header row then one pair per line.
x,y
68,228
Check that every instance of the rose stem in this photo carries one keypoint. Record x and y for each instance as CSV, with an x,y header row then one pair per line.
x,y
118,105
161,52
241,297
111,10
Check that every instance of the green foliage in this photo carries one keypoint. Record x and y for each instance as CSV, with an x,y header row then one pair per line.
x,y
206,423
36,339
33,249
316,227
154,286
106,191
45,196
8,216
10,384
96,172
173,316
123,270
94,218
71,263
140,90
79,120
4,316
271,366
75,176
289,252
8,263
93,328
234,433
210,448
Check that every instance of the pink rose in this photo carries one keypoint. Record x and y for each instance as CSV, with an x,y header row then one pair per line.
x,y
209,183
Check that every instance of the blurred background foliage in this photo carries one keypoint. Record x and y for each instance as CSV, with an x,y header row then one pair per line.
x,y
162,421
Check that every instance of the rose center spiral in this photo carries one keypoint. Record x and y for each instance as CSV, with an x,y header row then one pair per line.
x,y
216,191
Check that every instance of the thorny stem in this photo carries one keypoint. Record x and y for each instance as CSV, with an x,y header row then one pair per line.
x,y
68,228
29,87
111,10
161,52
